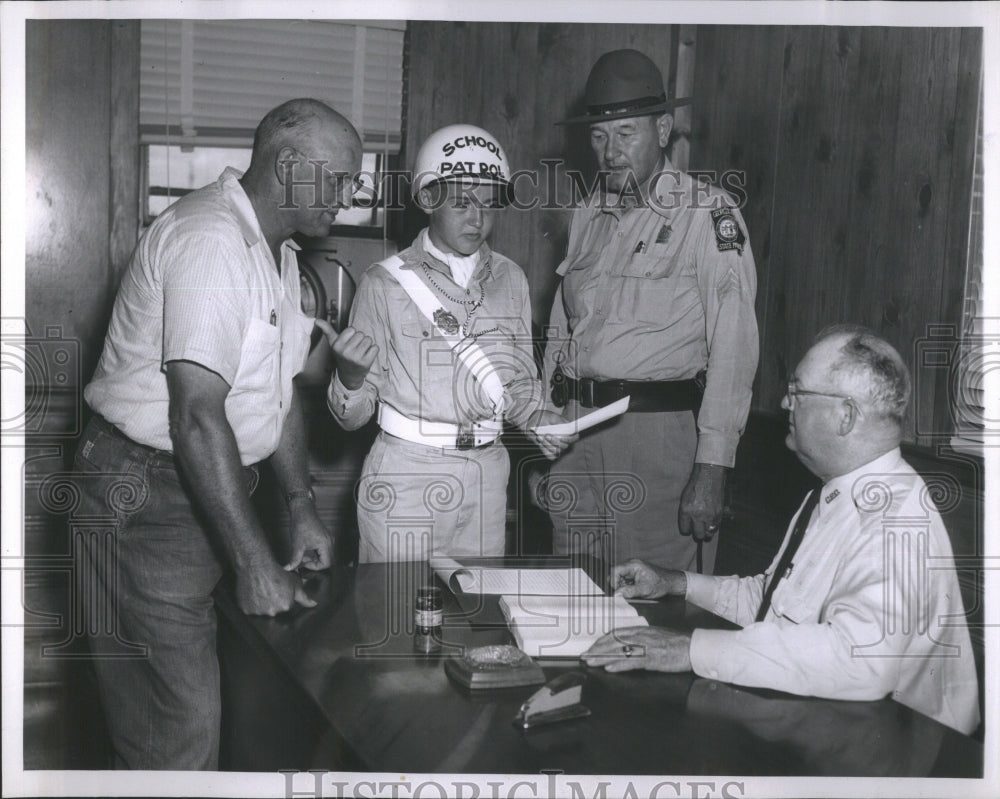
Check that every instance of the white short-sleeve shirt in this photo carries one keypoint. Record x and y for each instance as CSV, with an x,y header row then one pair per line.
x,y
202,287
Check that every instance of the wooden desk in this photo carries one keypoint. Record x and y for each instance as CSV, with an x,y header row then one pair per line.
x,y
340,687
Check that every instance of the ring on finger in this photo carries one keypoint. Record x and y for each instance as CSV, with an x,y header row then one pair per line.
x,y
627,650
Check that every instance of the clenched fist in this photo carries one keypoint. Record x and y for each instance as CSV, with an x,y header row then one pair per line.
x,y
355,353
265,589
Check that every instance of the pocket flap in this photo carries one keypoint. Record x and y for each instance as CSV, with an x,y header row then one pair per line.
x,y
651,266
416,329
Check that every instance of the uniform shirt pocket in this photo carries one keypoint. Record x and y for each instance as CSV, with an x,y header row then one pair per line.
x,y
415,330
430,363
652,266
656,289
415,343
800,597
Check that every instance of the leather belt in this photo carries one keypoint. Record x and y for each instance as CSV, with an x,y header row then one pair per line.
x,y
647,396
114,430
438,434
162,456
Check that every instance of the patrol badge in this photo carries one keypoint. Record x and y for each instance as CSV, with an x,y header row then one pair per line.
x,y
664,235
446,321
728,235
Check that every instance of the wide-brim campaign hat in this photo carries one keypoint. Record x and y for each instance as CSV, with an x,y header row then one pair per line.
x,y
624,83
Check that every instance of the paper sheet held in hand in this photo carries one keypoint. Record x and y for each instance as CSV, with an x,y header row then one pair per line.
x,y
520,582
585,422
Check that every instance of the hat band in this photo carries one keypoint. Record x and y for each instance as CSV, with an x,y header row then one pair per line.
x,y
633,105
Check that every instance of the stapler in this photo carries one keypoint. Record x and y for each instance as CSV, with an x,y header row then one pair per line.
x,y
557,700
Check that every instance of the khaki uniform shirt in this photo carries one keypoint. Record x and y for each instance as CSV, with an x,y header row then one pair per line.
x,y
416,372
660,292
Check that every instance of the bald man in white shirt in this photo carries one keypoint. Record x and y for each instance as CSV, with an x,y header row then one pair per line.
x,y
194,390
862,601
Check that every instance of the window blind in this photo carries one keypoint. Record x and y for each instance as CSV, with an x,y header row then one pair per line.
x,y
209,82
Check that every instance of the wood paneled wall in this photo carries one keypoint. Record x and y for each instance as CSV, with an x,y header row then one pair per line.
x,y
857,146
82,189
81,219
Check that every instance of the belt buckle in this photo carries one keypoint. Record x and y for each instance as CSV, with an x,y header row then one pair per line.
x,y
465,439
586,385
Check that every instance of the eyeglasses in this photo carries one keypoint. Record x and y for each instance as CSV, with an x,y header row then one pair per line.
x,y
794,391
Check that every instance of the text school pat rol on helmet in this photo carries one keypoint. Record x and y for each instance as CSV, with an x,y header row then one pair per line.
x,y
462,154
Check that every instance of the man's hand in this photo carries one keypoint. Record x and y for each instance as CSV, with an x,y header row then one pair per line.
x,y
312,543
637,579
265,589
701,502
552,446
355,353
651,648
206,450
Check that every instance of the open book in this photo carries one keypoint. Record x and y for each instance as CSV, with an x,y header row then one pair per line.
x,y
565,626
520,582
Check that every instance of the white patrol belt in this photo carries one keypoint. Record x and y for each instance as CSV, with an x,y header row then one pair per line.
x,y
438,434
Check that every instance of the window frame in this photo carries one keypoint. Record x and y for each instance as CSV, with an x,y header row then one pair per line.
x,y
373,230
967,379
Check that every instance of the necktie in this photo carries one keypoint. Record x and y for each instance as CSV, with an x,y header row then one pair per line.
x,y
798,532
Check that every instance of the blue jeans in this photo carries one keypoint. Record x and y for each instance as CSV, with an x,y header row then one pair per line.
x,y
147,578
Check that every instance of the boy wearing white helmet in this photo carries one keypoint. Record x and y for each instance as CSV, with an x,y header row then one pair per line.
x,y
440,346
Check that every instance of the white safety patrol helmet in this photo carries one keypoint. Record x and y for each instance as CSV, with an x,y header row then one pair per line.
x,y
462,154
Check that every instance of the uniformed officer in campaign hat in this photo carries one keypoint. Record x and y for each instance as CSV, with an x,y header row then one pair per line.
x,y
656,303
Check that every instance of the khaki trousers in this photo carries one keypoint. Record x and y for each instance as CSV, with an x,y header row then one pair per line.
x,y
616,492
415,501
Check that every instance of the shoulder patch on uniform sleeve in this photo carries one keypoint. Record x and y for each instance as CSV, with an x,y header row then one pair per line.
x,y
728,234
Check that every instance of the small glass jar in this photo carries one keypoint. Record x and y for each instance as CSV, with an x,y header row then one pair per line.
x,y
428,616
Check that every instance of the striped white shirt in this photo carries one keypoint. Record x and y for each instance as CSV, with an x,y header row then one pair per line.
x,y
202,287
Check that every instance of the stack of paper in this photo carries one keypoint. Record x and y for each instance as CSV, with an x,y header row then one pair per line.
x,y
482,580
565,626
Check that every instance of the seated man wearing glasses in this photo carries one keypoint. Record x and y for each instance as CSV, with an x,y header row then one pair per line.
x,y
862,600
